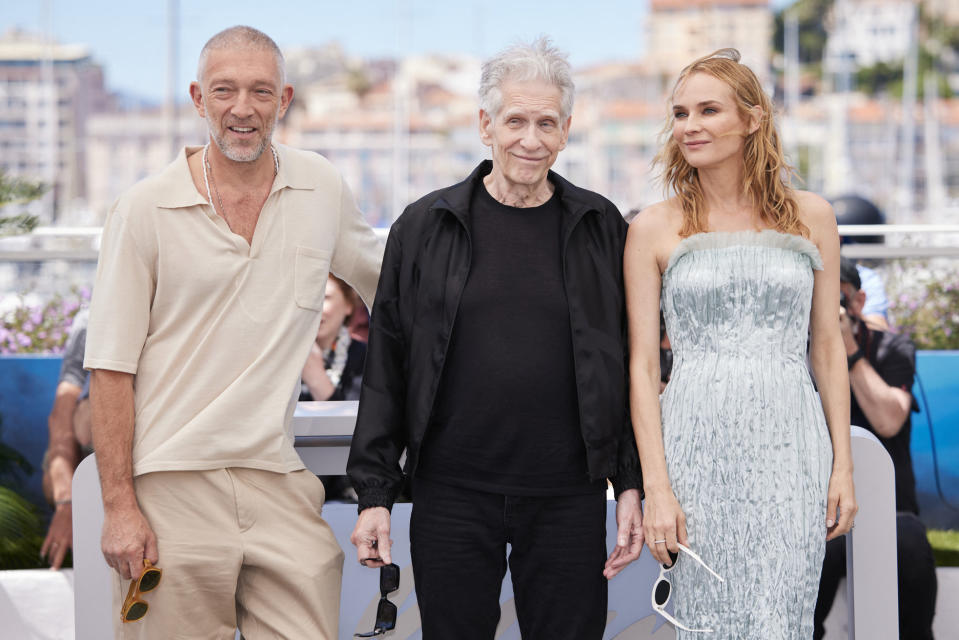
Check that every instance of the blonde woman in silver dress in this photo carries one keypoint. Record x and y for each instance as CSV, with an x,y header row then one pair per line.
x,y
742,463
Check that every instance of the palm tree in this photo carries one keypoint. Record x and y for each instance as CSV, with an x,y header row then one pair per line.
x,y
21,530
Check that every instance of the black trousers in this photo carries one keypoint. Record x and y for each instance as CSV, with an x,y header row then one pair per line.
x,y
917,579
458,541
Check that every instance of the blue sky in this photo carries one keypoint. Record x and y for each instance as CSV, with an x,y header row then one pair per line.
x,y
129,37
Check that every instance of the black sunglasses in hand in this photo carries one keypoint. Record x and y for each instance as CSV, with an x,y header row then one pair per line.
x,y
385,610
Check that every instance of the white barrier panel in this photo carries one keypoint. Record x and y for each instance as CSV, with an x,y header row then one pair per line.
x,y
323,431
872,590
630,612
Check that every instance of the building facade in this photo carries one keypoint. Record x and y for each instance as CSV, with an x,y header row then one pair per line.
x,y
679,31
48,92
863,33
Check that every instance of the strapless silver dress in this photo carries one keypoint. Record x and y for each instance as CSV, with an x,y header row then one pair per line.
x,y
747,447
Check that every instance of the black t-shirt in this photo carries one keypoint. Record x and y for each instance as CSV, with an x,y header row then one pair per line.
x,y
893,356
506,416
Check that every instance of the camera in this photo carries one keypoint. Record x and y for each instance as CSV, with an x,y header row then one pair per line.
x,y
665,364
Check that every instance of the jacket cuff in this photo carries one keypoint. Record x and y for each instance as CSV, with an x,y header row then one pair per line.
x,y
629,478
375,497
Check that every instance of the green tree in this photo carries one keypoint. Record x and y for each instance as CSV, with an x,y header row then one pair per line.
x,y
938,47
15,190
812,32
21,532
887,78
21,528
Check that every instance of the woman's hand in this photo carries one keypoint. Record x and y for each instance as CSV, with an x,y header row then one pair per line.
x,y
315,377
664,524
842,494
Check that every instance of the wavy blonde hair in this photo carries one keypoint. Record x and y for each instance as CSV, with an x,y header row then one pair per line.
x,y
766,172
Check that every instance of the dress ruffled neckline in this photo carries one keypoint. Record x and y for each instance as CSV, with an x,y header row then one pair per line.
x,y
765,238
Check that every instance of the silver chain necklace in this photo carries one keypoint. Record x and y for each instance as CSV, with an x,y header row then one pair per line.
x,y
208,179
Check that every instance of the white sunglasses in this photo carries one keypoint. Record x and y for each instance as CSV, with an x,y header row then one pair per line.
x,y
663,588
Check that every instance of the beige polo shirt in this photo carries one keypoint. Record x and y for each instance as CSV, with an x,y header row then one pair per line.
x,y
217,331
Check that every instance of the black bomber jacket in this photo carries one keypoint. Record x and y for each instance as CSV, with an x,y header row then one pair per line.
x,y
425,267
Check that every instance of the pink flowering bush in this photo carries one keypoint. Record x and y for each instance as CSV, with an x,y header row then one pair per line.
x,y
41,329
925,305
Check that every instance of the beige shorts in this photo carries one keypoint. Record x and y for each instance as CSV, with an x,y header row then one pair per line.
x,y
239,548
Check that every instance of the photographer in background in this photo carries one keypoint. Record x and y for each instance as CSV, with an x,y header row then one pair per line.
x,y
70,442
881,370
856,210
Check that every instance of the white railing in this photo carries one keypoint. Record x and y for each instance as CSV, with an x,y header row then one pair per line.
x,y
928,239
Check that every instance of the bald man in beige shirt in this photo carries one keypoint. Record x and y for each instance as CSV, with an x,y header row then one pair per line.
x,y
208,294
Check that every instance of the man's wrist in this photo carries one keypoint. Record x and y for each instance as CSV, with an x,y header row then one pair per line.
x,y
120,499
374,497
58,461
626,479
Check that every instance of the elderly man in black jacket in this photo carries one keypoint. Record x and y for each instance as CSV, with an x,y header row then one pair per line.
x,y
497,362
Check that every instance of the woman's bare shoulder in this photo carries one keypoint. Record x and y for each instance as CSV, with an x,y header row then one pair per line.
x,y
814,210
655,230
659,220
817,214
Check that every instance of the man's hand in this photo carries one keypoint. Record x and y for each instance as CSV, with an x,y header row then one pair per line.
x,y
371,537
127,539
629,536
59,535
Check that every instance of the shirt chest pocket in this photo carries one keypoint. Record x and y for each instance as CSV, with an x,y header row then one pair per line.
x,y
310,271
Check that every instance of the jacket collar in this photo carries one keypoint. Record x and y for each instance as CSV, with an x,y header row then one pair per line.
x,y
456,199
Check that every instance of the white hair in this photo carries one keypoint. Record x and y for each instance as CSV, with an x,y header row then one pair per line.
x,y
523,62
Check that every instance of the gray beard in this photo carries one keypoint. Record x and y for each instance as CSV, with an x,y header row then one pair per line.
x,y
234,154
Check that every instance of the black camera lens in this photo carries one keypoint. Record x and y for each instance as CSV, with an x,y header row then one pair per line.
x,y
665,364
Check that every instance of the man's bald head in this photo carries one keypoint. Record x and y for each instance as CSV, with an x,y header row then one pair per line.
x,y
242,37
